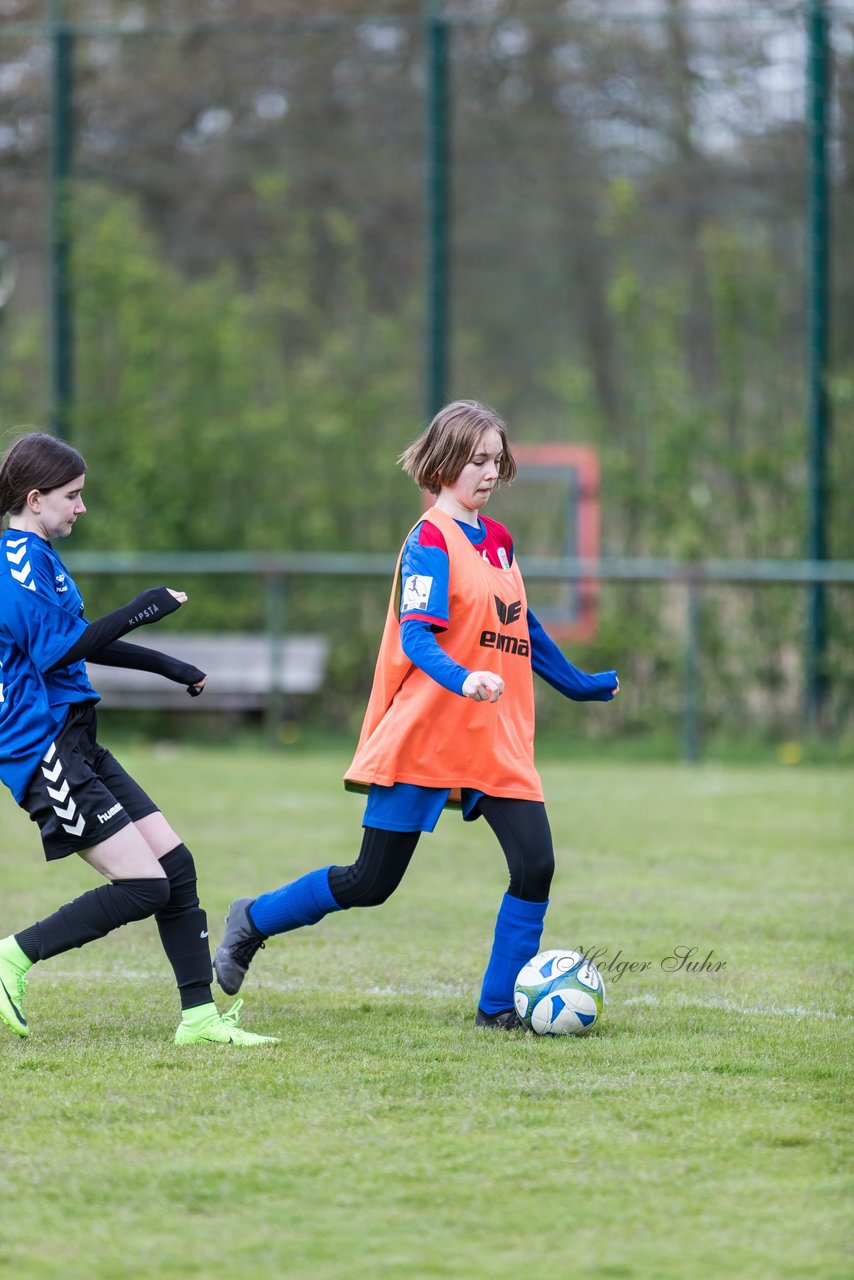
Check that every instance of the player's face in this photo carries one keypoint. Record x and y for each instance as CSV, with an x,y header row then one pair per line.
x,y
56,510
474,486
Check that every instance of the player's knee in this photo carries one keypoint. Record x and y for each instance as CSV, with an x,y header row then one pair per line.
x,y
378,870
533,880
374,896
352,887
160,893
181,879
139,899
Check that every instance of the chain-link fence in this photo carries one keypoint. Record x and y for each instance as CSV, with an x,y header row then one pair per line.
x,y
248,247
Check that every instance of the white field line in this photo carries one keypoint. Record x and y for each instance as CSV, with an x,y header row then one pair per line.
x,y
449,990
732,1006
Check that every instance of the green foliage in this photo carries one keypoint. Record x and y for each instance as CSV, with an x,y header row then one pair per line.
x,y
215,415
263,411
704,460
235,416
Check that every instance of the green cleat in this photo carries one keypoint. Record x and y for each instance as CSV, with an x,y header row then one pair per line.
x,y
13,988
217,1028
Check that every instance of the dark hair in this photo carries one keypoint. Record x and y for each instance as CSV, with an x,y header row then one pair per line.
x,y
35,461
439,454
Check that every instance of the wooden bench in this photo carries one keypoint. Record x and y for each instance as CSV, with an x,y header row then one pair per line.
x,y
245,672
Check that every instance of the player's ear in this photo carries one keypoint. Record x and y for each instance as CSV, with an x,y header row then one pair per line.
x,y
34,500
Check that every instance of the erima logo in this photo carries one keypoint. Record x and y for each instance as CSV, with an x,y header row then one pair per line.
x,y
111,813
505,644
508,613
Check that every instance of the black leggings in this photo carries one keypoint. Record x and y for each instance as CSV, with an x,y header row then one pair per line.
x,y
523,832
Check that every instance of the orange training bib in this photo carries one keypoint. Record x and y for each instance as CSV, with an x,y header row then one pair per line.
x,y
415,731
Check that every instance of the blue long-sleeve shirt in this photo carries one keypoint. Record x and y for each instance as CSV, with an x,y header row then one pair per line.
x,y
424,611
422,648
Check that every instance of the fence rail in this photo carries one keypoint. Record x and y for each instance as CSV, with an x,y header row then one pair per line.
x,y
546,568
692,575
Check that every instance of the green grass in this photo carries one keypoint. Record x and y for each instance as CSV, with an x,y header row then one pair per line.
x,y
702,1132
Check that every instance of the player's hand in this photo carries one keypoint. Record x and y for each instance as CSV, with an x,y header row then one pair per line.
x,y
195,689
616,688
180,596
483,686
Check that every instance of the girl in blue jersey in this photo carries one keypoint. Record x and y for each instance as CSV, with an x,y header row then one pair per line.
x,y
461,458
74,789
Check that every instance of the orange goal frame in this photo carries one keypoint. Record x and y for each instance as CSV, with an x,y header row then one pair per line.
x,y
576,618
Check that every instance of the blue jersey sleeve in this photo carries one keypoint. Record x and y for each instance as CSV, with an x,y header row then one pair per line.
x,y
419,643
424,571
556,669
32,615
424,605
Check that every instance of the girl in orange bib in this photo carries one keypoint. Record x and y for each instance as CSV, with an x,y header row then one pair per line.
x,y
450,720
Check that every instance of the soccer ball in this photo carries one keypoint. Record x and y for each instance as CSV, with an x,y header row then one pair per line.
x,y
559,993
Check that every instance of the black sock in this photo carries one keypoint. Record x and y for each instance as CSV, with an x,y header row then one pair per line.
x,y
183,929
93,915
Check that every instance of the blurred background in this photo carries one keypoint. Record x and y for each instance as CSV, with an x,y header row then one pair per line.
x,y
247,249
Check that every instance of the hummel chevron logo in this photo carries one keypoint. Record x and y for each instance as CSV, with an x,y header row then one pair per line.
x,y
508,613
51,752
77,828
61,793
15,557
21,575
16,542
53,774
68,812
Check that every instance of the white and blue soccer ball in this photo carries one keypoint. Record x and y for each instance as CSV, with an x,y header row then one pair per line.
x,y
559,993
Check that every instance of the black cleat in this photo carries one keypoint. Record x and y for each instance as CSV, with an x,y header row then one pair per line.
x,y
241,940
507,1020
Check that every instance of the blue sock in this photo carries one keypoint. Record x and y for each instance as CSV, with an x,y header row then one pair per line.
x,y
303,901
518,930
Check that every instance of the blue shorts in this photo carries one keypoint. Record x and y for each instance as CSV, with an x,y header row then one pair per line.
x,y
407,807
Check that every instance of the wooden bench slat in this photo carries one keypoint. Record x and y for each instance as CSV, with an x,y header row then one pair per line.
x,y
239,668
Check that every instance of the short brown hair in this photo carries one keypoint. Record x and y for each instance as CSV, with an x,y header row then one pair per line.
x,y
36,461
439,454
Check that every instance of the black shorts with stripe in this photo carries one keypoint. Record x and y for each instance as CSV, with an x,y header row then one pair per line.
x,y
80,795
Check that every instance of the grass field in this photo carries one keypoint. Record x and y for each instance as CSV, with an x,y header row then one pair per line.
x,y
702,1132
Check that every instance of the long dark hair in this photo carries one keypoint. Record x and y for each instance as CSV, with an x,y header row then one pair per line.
x,y
35,461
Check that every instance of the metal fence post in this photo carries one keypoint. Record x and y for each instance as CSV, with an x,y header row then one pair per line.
x,y
276,622
437,160
61,143
692,701
816,681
